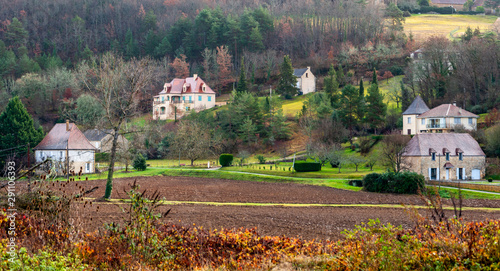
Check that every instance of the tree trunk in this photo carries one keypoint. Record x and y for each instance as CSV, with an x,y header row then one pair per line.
x,y
109,183
192,161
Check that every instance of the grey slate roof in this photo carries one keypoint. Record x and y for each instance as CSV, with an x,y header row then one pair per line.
x,y
299,72
59,139
420,144
417,107
96,134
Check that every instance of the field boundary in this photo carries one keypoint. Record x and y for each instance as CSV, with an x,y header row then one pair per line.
x,y
296,205
473,186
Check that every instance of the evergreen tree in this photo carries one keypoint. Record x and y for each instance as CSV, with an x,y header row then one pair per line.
x,y
332,86
131,46
287,83
349,107
16,36
340,76
163,48
376,108
242,82
374,77
150,43
252,75
17,127
405,97
361,88
255,40
87,53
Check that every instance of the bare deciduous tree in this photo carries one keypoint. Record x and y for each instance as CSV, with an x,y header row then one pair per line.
x,y
394,146
194,141
117,86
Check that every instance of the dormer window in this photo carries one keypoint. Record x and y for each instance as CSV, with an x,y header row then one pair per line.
x,y
447,156
184,88
204,88
433,155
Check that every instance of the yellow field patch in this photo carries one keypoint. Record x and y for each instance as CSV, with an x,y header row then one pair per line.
x,y
452,26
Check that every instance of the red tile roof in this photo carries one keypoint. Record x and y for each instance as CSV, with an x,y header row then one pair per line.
x,y
447,110
59,138
193,85
420,144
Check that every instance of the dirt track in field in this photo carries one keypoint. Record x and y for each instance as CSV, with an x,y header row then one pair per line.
x,y
307,222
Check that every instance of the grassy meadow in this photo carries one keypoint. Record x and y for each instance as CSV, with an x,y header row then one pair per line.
x,y
423,26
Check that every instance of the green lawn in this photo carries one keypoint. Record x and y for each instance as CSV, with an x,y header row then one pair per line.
x,y
293,106
327,172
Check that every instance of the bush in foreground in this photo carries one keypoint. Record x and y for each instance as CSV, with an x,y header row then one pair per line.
x,y
400,183
301,166
226,160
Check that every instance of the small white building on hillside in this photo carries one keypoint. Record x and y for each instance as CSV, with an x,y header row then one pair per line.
x,y
306,81
67,147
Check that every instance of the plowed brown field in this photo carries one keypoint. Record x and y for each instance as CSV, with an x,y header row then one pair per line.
x,y
307,221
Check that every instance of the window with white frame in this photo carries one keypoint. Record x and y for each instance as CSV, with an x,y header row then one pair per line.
x,y
470,121
409,120
422,121
457,120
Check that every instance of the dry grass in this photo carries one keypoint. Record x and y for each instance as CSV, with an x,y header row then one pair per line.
x,y
452,26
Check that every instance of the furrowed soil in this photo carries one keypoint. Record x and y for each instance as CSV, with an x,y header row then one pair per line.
x,y
309,222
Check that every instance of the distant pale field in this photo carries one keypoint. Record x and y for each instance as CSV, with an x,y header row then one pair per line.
x,y
452,26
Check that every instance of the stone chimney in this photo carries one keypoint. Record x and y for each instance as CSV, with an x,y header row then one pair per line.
x,y
309,67
67,125
195,76
455,103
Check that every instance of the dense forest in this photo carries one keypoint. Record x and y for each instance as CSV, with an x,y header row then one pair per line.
x,y
50,50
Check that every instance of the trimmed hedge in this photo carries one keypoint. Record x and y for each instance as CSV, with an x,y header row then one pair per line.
x,y
399,183
102,157
226,160
307,166
427,9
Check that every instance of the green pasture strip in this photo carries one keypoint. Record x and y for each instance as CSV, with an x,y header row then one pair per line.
x,y
335,205
472,194
228,175
327,172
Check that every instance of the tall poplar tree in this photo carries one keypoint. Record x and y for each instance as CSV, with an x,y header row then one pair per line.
x,y
287,83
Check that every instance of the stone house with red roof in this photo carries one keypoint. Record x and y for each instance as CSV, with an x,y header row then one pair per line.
x,y
67,147
448,156
418,118
181,96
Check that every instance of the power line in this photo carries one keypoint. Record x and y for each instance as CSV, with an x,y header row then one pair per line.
x,y
13,148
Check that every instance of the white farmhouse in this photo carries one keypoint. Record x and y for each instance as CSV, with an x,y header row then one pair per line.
x,y
418,118
181,96
63,141
306,81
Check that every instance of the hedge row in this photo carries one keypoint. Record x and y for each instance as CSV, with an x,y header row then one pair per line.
x,y
399,183
427,9
226,160
306,166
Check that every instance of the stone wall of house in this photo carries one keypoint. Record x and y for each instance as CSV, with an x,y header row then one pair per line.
x,y
307,84
421,165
